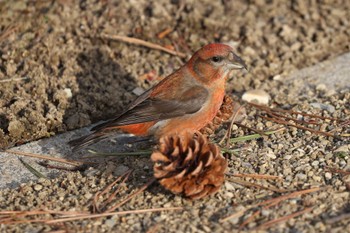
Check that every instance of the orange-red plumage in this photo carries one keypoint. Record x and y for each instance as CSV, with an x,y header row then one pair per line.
x,y
187,99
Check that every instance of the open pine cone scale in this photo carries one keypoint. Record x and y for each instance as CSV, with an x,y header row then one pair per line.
x,y
189,164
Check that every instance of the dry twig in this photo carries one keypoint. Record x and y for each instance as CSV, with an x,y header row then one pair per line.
x,y
257,176
283,219
143,188
249,184
38,156
147,44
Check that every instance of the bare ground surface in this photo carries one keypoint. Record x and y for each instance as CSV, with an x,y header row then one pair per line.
x,y
56,75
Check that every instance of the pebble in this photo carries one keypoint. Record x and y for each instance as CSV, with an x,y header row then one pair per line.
x,y
38,187
138,91
68,92
256,96
328,175
120,170
327,107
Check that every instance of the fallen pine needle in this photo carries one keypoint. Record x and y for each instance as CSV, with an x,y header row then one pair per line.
x,y
257,176
32,169
272,202
143,188
275,201
249,184
147,44
112,213
13,79
283,219
38,156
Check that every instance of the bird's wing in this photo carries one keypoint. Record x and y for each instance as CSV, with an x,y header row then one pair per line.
x,y
155,109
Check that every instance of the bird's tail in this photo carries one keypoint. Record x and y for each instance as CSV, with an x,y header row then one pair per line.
x,y
80,143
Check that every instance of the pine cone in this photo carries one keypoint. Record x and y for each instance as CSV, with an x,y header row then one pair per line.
x,y
188,164
228,108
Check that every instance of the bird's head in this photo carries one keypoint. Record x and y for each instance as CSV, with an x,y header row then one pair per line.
x,y
215,61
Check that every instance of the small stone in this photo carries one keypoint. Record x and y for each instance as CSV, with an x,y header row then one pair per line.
x,y
68,92
328,175
88,195
301,176
321,87
120,170
327,107
38,187
257,96
138,91
229,186
110,223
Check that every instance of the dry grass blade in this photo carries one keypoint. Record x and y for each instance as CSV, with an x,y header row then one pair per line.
x,y
254,136
249,184
143,188
111,214
283,219
38,156
257,176
32,169
147,44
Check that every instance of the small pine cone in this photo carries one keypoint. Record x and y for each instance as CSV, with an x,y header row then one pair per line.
x,y
226,111
188,164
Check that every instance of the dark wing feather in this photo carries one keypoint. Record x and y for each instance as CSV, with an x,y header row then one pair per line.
x,y
153,109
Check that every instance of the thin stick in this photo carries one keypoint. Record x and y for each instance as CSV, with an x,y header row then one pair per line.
x,y
38,156
109,187
147,44
143,188
13,79
113,213
283,219
111,197
257,176
275,201
249,184
250,219
297,126
293,112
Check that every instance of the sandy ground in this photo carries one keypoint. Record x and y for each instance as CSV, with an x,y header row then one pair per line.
x,y
56,74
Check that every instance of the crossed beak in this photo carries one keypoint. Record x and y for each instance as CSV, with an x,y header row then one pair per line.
x,y
236,62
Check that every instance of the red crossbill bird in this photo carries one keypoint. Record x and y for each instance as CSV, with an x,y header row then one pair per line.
x,y
187,99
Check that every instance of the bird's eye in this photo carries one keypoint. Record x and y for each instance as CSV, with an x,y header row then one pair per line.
x,y
217,59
